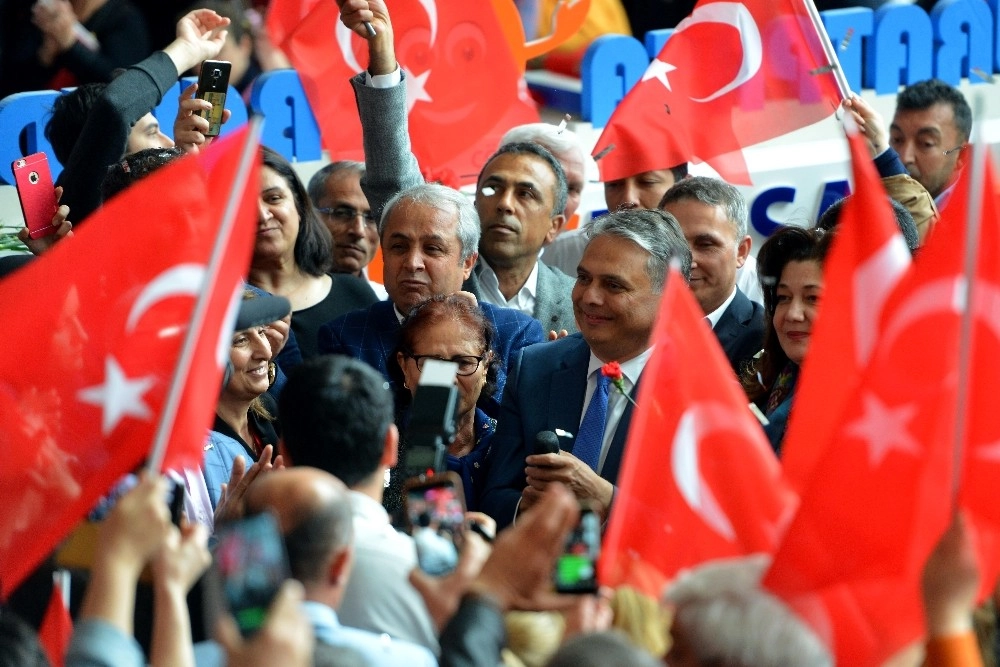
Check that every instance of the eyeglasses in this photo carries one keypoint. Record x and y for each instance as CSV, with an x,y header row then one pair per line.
x,y
345,214
467,364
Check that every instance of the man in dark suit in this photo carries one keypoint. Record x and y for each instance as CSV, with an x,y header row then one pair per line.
x,y
520,197
559,387
429,236
713,215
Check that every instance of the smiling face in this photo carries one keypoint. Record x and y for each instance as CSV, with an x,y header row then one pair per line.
x,y
277,219
926,140
797,299
249,354
447,339
422,254
643,190
514,200
613,298
716,251
355,238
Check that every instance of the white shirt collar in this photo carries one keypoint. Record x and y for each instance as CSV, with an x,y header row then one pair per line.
x,y
523,301
631,369
716,315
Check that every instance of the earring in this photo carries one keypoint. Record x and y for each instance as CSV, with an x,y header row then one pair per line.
x,y
272,372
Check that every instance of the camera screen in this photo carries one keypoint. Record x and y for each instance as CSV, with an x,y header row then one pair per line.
x,y
437,515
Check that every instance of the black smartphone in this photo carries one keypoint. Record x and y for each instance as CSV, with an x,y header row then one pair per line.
x,y
576,567
248,568
435,515
213,82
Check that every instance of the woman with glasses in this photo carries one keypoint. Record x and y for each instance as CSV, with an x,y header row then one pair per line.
x,y
453,328
291,257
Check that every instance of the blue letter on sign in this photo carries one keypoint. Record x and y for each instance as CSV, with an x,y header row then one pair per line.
x,y
899,51
611,66
290,128
964,32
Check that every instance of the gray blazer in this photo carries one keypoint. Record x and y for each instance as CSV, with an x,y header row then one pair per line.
x,y
553,298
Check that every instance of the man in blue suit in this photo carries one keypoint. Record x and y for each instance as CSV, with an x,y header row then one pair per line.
x,y
713,216
559,387
429,236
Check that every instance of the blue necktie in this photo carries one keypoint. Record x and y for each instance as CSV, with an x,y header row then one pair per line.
x,y
591,437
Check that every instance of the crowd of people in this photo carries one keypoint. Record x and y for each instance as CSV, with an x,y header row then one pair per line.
x,y
312,420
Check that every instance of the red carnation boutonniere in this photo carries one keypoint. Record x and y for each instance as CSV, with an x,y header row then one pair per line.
x,y
613,371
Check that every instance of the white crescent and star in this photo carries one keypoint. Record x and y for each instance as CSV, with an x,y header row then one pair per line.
x,y
733,14
118,397
416,84
884,429
699,420
873,280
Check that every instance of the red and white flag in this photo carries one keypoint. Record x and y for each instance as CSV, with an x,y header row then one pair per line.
x,y
867,260
732,74
461,72
56,630
101,320
866,525
699,480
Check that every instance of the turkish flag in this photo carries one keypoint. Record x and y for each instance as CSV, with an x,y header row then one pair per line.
x,y
102,318
57,629
866,261
461,73
731,75
886,491
699,480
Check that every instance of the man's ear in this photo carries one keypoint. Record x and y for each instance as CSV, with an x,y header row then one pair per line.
x,y
743,251
390,449
339,569
467,265
557,224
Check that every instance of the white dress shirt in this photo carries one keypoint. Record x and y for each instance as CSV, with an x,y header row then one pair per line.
x,y
631,370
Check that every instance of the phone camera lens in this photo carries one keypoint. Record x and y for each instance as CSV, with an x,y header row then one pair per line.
x,y
216,73
21,163
33,177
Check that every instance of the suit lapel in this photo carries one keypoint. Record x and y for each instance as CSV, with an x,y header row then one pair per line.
x,y
387,329
569,387
613,461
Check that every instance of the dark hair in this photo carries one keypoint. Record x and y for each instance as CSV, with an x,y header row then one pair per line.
x,y
19,643
69,114
561,193
788,244
313,245
335,412
925,94
599,649
135,167
657,232
317,184
680,171
712,192
907,226
317,536
438,309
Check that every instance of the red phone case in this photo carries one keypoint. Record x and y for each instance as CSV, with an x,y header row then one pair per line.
x,y
38,197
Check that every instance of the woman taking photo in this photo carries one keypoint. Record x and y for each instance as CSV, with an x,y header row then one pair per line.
x,y
452,328
291,257
790,267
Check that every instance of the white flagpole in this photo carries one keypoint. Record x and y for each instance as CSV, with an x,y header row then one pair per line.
x,y
828,50
977,176
180,378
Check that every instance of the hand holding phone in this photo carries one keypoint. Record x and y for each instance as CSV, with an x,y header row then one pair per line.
x,y
213,83
36,194
576,567
435,513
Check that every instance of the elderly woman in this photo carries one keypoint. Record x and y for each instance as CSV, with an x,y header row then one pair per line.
x,y
291,257
245,414
453,328
790,267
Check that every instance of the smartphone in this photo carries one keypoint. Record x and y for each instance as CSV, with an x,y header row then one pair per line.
x,y
435,515
38,198
248,568
213,82
576,567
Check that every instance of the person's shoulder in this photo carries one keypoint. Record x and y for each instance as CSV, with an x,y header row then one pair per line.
x,y
556,274
509,319
362,317
392,652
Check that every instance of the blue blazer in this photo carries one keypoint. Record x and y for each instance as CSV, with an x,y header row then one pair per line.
x,y
740,330
372,334
217,464
545,391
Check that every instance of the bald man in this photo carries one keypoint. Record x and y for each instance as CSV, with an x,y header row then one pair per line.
x,y
314,514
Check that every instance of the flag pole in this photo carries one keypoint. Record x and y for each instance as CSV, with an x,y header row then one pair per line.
x,y
977,177
181,372
828,50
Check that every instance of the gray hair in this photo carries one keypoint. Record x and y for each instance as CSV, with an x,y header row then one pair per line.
x,y
558,142
447,200
729,619
656,232
713,192
318,181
